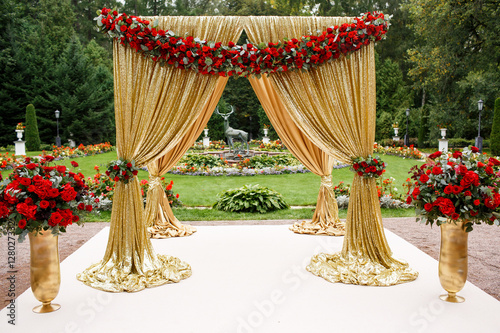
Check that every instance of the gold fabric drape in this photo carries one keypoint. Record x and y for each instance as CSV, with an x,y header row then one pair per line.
x,y
334,105
154,108
325,220
158,214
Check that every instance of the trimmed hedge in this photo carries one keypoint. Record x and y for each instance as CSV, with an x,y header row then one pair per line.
x,y
495,130
32,136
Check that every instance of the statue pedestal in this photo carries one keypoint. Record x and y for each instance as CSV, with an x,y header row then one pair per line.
x,y
20,148
266,140
206,142
395,138
443,145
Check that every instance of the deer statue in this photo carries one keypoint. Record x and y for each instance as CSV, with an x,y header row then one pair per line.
x,y
231,132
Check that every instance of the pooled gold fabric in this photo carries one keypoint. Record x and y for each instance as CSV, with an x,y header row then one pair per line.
x,y
325,220
158,214
334,106
154,108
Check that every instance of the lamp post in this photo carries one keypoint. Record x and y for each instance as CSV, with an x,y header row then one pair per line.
x,y
479,139
407,137
58,139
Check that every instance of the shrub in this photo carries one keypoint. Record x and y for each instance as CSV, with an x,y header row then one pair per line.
x,y
32,136
264,161
173,199
198,160
460,143
250,198
495,130
342,189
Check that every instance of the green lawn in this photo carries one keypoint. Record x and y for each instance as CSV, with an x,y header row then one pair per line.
x,y
297,189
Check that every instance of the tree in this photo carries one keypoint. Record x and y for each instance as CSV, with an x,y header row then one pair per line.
x,y
495,130
32,136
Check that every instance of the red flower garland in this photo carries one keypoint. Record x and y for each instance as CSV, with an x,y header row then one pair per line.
x,y
207,57
370,167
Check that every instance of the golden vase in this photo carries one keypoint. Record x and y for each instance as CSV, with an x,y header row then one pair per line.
x,y
45,273
453,260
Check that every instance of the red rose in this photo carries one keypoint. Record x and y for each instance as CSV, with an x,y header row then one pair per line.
x,y
49,158
435,155
477,202
68,194
230,44
61,168
76,218
364,164
446,207
462,169
44,204
25,181
489,170
177,195
473,213
28,211
355,166
22,223
428,171
457,189
468,193
124,173
455,216
116,167
428,207
360,173
74,164
494,161
55,218
123,28
31,166
457,154
52,204
474,149
116,179
81,206
416,192
448,189
129,165
115,13
437,170
470,178
88,208
424,178
480,164
408,200
135,172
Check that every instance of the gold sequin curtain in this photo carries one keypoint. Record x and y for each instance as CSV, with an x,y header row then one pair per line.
x,y
334,105
158,214
325,220
154,107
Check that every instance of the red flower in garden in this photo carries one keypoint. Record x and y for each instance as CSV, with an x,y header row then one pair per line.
x,y
477,202
81,206
468,193
135,172
116,179
494,161
61,168
428,207
129,165
416,192
480,164
448,189
88,208
457,154
474,149
68,194
22,223
455,216
355,166
44,204
489,170
445,206
457,189
28,211
116,167
74,164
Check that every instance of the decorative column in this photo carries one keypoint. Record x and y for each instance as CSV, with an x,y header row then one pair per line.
x,y
443,142
20,144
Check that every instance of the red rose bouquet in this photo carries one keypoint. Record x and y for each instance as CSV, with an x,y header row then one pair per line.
x,y
121,170
38,197
370,167
460,185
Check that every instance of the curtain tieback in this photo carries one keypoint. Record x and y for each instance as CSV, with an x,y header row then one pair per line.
x,y
154,181
326,181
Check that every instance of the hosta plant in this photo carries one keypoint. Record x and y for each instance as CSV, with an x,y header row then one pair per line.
x,y
250,198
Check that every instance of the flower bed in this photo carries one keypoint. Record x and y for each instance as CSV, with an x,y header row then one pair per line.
x,y
405,152
235,171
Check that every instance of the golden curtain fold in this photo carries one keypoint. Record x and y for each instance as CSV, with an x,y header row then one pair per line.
x,y
325,220
158,214
154,108
334,105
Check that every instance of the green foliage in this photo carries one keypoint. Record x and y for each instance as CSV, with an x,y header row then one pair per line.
x,y
263,161
495,130
250,198
423,130
198,160
31,134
